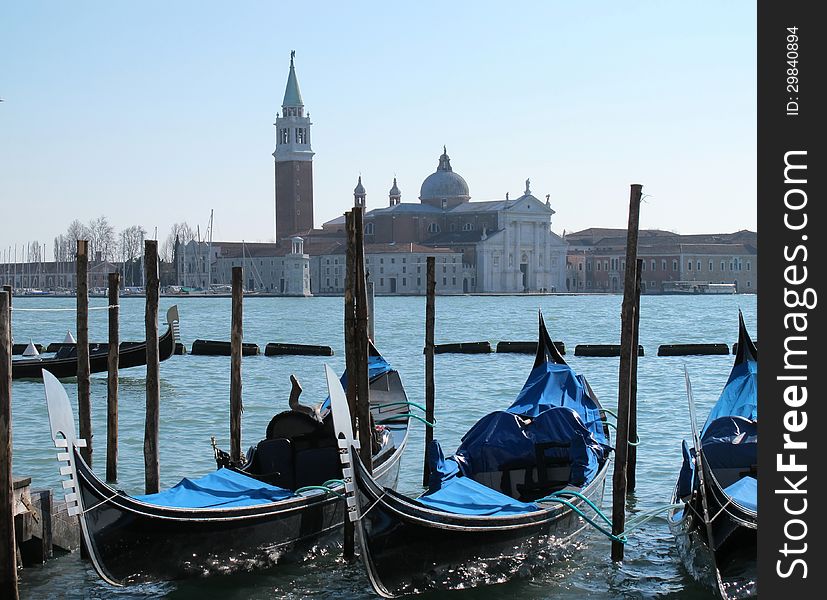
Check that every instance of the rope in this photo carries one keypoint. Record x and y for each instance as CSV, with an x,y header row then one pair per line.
x,y
407,416
635,443
63,309
555,497
370,508
104,501
322,488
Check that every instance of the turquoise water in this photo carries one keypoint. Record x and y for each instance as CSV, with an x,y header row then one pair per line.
x,y
195,406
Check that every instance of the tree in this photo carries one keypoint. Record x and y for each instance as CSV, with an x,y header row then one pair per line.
x,y
131,247
76,231
101,239
183,232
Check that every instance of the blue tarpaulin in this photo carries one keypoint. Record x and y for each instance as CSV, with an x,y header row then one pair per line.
x,y
744,492
739,397
223,488
451,492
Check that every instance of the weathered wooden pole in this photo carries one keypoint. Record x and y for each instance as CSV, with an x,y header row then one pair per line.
x,y
8,552
236,340
631,466
363,420
84,402
430,320
152,469
112,379
626,335
371,304
350,351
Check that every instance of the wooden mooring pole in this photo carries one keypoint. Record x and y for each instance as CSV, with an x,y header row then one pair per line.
x,y
84,402
152,469
112,379
8,553
631,465
626,336
363,420
236,344
350,352
430,321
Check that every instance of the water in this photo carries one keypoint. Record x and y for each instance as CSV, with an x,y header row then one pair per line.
x,y
195,406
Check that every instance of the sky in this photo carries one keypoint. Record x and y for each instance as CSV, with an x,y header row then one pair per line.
x,y
154,113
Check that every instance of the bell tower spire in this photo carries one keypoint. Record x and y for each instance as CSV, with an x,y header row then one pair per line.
x,y
294,162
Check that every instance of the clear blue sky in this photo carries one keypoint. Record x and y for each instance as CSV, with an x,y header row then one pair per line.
x,y
156,112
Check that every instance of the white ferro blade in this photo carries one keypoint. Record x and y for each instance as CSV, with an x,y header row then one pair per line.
x,y
344,437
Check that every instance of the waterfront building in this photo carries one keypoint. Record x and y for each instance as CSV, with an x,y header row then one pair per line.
x,y
596,260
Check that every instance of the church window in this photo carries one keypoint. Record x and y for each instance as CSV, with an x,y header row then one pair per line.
x,y
299,135
404,269
393,261
444,281
749,265
433,228
468,227
663,264
711,266
654,264
689,265
722,266
404,282
369,229
381,261
674,265
598,265
580,267
444,204
496,261
698,266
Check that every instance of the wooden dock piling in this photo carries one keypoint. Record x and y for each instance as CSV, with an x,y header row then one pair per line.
x,y
363,418
152,470
619,482
631,466
236,342
8,555
430,322
350,352
84,401
112,379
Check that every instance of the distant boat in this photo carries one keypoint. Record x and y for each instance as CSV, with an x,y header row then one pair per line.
x,y
716,525
64,363
698,287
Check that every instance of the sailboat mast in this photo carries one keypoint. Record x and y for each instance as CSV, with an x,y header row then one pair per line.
x,y
209,254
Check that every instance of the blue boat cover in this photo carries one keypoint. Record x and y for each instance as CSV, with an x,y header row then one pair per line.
x,y
551,384
376,366
451,492
686,479
502,440
739,397
223,488
744,492
731,442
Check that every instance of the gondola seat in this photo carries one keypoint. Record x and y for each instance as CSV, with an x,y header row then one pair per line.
x,y
272,462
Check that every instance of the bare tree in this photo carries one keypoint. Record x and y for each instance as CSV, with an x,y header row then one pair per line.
x,y
183,232
35,252
131,246
76,231
101,239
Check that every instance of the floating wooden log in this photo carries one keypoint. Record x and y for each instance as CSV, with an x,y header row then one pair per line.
x,y
279,349
735,346
688,349
601,350
219,348
526,347
20,348
462,348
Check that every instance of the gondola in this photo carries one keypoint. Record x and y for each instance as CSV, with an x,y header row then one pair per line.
x,y
509,499
64,363
274,509
715,514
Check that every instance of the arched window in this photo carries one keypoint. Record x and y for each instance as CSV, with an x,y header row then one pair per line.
x,y
369,229
468,227
675,265
433,228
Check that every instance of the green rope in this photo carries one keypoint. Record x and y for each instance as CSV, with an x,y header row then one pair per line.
x,y
613,426
322,488
420,407
406,416
647,516
330,482
611,412
556,497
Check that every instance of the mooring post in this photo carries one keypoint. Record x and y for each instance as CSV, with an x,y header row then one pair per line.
x,y
8,553
152,469
631,465
626,351
364,427
430,320
350,352
371,304
236,341
84,402
112,379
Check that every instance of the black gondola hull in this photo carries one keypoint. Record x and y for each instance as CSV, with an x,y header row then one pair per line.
x,y
410,549
131,354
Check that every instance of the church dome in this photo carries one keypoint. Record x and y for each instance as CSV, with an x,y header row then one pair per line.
x,y
444,184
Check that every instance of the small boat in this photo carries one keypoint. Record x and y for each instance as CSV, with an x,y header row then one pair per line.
x,y
715,514
514,496
279,505
64,362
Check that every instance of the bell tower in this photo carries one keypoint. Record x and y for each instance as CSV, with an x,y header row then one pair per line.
x,y
294,162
